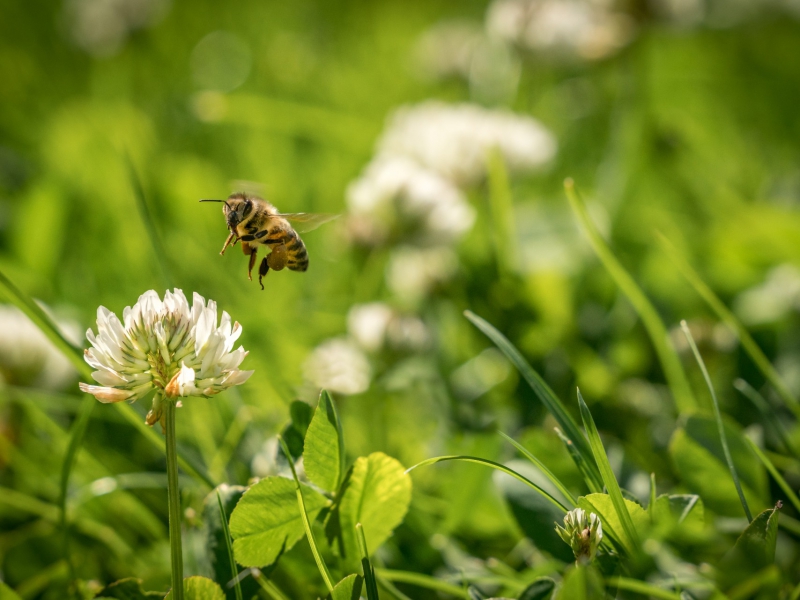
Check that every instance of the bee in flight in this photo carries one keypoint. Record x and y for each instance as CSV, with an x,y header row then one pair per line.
x,y
255,222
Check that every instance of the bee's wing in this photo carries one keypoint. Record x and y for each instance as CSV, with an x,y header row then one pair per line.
x,y
303,222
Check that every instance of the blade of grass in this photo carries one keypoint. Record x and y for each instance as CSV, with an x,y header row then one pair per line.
x,y
582,464
493,465
775,474
366,565
651,507
149,223
269,587
423,581
763,407
670,362
323,568
502,208
540,465
390,587
227,533
542,390
718,417
612,487
640,587
748,343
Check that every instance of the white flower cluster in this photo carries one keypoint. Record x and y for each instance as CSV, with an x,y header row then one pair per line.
x,y
586,29
167,347
338,365
27,357
428,152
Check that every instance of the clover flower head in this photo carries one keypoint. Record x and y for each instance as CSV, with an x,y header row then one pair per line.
x,y
165,346
583,534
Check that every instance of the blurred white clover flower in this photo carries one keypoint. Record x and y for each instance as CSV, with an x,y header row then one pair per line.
x,y
773,299
167,347
338,365
586,29
394,191
27,357
447,49
455,140
582,532
101,26
412,273
376,325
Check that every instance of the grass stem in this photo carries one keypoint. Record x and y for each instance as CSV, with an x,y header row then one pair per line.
x,y
174,501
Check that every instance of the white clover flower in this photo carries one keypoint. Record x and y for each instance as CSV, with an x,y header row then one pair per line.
x,y
338,365
27,357
167,347
583,534
397,193
587,29
455,140
412,273
376,325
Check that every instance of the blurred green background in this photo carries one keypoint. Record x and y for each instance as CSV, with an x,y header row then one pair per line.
x,y
689,128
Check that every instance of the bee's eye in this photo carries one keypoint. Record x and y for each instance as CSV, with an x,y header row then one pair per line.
x,y
248,206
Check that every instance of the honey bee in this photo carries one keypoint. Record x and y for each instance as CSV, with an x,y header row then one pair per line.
x,y
256,222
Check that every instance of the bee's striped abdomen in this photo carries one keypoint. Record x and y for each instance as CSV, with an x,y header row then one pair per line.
x,y
296,249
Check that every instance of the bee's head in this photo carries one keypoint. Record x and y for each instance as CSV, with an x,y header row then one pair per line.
x,y
236,208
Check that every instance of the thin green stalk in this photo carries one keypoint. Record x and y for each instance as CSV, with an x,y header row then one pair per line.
x,y
718,416
174,501
423,581
668,357
269,587
748,343
540,465
640,587
147,218
502,209
369,572
587,470
651,507
390,587
493,465
227,533
775,474
763,407
612,487
323,568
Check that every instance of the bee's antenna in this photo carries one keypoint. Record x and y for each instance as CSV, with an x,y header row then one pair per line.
x,y
215,200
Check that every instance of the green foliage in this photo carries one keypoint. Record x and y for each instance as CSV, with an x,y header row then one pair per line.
x,y
377,494
697,454
323,456
581,583
6,593
267,521
540,589
604,506
200,588
348,588
754,550
127,589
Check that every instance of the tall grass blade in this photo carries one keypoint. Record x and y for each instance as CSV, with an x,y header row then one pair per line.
x,y
641,587
502,208
423,581
787,489
226,531
670,362
763,407
612,487
542,390
391,588
493,465
540,465
149,223
323,568
718,417
270,588
366,565
590,475
748,343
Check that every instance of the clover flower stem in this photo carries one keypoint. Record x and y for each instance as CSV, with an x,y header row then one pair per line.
x,y
174,500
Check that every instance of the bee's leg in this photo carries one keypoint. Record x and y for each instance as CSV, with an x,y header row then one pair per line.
x,y
232,236
278,257
263,269
252,252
